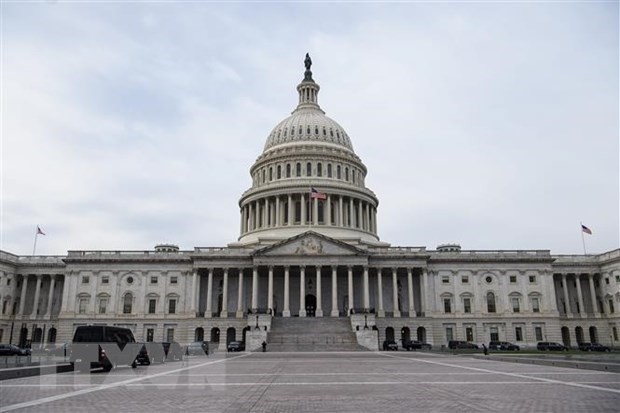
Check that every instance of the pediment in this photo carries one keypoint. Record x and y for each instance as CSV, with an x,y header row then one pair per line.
x,y
310,244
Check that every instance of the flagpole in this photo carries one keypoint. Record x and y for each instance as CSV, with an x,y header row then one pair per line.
x,y
36,235
583,240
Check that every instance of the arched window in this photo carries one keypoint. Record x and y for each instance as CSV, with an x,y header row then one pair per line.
x,y
298,169
346,174
338,172
263,176
329,170
279,173
288,170
353,175
308,169
292,131
270,173
127,303
490,302
319,169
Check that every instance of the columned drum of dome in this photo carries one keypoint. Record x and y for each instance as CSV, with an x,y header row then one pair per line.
x,y
308,177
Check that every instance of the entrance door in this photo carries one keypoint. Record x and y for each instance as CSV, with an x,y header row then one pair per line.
x,y
310,305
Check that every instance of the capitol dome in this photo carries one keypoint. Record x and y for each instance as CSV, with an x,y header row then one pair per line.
x,y
308,178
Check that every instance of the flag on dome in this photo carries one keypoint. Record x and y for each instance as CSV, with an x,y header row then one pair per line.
x,y
586,229
40,231
314,194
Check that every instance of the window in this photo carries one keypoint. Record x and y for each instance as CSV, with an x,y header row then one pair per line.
x,y
298,169
515,305
154,280
538,333
129,280
353,175
329,170
449,334
152,305
469,333
83,304
489,279
445,279
279,174
150,333
103,305
494,334
270,173
288,170
174,279
127,303
519,333
170,335
172,306
105,279
85,279
532,279
615,333
447,305
513,279
491,303
617,278
535,305
465,279
346,174
4,305
338,173
467,305
308,169
611,306
263,173
319,169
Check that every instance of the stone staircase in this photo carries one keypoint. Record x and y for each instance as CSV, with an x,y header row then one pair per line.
x,y
311,334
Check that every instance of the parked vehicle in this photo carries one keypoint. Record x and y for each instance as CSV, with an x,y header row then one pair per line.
x,y
551,346
461,345
390,345
416,345
234,346
593,347
503,345
197,348
144,358
94,338
61,350
13,350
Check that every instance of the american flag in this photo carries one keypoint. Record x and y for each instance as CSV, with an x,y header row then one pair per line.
x,y
586,229
314,194
40,231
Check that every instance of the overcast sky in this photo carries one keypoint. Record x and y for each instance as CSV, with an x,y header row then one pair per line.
x,y
125,125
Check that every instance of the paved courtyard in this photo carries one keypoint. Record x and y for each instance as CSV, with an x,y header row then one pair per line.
x,y
320,382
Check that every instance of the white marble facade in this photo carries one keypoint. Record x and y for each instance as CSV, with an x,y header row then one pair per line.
x,y
301,255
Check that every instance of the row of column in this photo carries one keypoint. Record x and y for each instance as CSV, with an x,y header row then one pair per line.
x,y
302,293
580,302
37,296
338,210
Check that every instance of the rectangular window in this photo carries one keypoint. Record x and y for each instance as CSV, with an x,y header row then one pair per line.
x,y
539,333
467,305
174,280
105,279
519,333
152,305
449,334
513,279
465,279
170,335
85,279
153,280
82,306
611,306
494,334
445,279
535,305
4,305
103,304
532,279
150,333
469,333
172,306
447,305
515,305
615,333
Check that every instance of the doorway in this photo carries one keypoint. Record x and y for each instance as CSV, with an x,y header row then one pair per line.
x,y
310,305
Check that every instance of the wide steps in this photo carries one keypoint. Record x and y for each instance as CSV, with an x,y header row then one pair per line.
x,y
312,334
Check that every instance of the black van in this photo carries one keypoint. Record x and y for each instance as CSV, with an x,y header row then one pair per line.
x,y
104,346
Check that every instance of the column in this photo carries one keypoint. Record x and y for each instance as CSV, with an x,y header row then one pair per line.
x,y
350,281
241,213
360,215
50,295
291,212
209,309
265,214
277,223
302,291
593,295
37,294
368,228
366,290
565,291
255,289
303,210
328,216
582,311
287,297
256,215
410,291
240,295
340,212
424,292
374,220
395,291
335,312
315,211
270,290
380,311
351,215
22,297
319,293
224,313
66,286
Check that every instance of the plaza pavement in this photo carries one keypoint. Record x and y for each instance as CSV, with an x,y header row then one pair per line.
x,y
320,382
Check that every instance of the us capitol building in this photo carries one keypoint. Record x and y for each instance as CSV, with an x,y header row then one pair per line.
x,y
309,269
